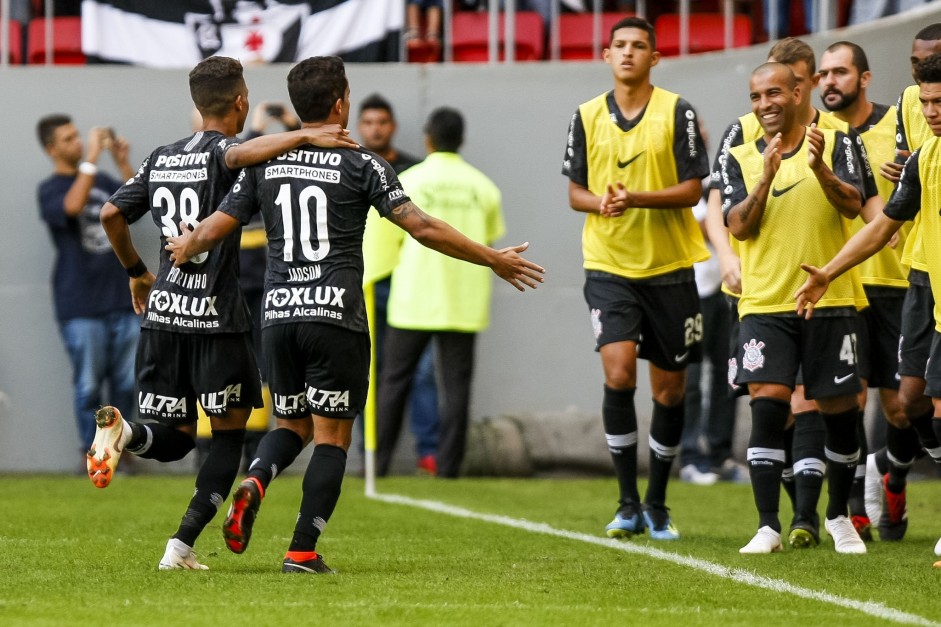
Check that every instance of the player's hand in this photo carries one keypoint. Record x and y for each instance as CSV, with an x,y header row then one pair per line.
x,y
811,291
772,156
176,245
894,240
330,136
614,201
731,268
140,290
815,146
892,170
517,271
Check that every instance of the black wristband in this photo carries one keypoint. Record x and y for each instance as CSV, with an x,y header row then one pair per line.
x,y
138,269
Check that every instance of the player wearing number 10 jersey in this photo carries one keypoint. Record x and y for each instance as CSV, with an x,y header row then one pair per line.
x,y
196,330
314,333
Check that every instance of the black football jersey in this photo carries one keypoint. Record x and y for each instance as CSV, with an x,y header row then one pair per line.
x,y
314,202
185,182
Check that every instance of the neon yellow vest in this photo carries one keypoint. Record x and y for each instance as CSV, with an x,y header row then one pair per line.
x,y
916,134
885,267
641,243
798,226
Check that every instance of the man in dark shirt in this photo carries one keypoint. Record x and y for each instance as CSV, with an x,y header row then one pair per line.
x,y
314,203
96,319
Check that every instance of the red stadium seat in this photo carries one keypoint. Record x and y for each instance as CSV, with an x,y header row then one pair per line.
x,y
470,33
16,43
706,32
576,30
66,41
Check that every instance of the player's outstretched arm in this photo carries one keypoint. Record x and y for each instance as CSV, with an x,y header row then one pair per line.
x,y
867,242
119,234
266,147
438,235
205,236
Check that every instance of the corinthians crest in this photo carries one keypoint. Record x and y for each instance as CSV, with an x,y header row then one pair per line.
x,y
753,359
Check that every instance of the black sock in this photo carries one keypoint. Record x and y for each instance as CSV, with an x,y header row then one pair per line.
x,y
666,429
842,456
766,457
936,426
160,442
926,435
322,483
620,428
856,502
787,473
276,451
901,447
809,465
213,483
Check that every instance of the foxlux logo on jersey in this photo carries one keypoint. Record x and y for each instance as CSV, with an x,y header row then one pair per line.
x,y
182,311
288,302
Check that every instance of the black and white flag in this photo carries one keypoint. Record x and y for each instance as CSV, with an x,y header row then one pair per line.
x,y
180,33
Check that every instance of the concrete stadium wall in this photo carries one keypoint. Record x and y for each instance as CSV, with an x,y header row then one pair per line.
x,y
538,354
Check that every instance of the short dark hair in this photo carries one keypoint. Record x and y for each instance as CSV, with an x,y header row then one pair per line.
x,y
215,83
375,101
635,22
932,32
445,129
315,84
859,55
47,125
778,68
790,50
929,70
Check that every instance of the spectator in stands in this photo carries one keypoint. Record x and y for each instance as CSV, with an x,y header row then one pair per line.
x,y
433,298
868,10
429,12
381,242
90,287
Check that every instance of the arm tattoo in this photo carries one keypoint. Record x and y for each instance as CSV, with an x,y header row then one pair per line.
x,y
403,212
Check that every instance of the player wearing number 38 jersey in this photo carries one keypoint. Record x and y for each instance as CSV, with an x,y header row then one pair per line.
x,y
315,338
195,342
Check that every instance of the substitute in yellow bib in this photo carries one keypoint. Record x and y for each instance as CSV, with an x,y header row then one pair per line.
x,y
918,188
635,159
785,197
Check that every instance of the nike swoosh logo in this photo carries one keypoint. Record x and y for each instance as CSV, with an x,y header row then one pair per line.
x,y
682,357
781,192
624,164
839,380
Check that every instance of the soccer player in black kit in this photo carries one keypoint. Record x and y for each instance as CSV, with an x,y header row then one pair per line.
x,y
196,339
314,331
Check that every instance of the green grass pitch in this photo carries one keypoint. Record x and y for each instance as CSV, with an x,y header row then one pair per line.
x,y
74,555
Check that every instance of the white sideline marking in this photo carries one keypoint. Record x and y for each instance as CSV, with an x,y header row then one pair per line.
x,y
878,610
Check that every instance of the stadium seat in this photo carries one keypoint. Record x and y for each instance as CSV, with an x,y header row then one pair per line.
x,y
576,30
16,43
66,41
469,34
706,32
